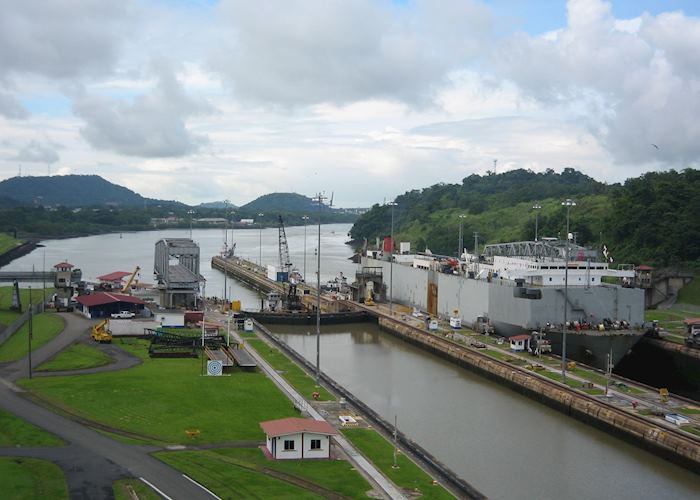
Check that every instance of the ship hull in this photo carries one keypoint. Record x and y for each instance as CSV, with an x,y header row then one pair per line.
x,y
516,310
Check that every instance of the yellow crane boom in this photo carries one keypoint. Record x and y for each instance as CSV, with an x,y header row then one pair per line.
x,y
126,287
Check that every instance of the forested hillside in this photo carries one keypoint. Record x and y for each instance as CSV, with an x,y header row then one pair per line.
x,y
654,218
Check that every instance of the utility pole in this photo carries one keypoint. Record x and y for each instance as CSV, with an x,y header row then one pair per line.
x,y
568,203
319,199
29,335
306,219
461,236
476,244
260,250
536,207
392,204
396,449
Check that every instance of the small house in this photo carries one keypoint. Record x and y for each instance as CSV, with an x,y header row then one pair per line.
x,y
298,438
519,342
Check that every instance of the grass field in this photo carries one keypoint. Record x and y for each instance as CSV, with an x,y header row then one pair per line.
x,y
408,475
45,327
246,473
7,242
76,357
163,398
6,315
17,432
29,478
143,492
289,370
690,293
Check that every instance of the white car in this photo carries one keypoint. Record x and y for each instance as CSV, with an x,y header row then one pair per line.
x,y
123,315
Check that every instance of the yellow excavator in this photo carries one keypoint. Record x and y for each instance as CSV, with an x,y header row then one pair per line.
x,y
127,286
101,332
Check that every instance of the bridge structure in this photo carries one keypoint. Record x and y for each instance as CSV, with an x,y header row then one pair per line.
x,y
36,276
176,268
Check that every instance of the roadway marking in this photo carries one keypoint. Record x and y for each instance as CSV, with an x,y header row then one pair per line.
x,y
204,488
156,489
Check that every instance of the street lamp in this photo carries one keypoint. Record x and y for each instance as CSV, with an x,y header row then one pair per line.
x,y
392,204
260,250
306,219
30,332
568,203
191,213
461,236
319,199
536,207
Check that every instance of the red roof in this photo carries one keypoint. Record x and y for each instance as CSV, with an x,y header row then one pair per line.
x,y
115,276
644,268
63,264
294,425
519,337
691,321
99,299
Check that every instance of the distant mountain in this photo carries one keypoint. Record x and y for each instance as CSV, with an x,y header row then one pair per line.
x,y
286,202
217,204
72,191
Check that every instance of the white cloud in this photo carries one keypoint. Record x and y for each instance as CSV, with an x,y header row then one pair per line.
x,y
635,86
37,152
295,52
152,125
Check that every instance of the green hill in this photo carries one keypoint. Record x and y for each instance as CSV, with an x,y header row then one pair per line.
x,y
70,191
282,202
653,218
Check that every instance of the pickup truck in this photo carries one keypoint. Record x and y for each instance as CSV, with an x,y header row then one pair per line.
x,y
123,315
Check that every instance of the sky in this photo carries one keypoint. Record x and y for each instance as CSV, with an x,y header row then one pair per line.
x,y
204,100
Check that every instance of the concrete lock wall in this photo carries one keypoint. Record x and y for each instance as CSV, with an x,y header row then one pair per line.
x,y
660,440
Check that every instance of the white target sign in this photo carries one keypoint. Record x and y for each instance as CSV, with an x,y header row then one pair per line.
x,y
215,368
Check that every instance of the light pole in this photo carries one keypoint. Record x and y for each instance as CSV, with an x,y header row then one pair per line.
x,y
29,334
461,236
568,203
392,204
536,207
260,250
306,219
191,213
319,198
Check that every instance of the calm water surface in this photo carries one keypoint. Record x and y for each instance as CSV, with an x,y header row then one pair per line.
x,y
504,444
102,254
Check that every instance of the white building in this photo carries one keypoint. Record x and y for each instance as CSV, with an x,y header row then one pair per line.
x,y
298,438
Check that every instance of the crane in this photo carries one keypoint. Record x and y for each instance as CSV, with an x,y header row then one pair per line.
x,y
285,263
126,287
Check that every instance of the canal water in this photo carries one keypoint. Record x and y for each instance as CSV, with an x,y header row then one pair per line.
x,y
102,254
502,443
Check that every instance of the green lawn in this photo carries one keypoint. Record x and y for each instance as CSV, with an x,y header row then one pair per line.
x,y
690,293
246,473
76,357
143,492
408,475
289,370
17,432
45,327
163,398
6,315
29,478
7,242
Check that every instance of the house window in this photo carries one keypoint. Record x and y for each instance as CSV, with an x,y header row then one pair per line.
x,y
315,444
288,445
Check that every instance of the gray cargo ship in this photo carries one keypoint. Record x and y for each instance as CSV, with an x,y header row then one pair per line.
x,y
518,288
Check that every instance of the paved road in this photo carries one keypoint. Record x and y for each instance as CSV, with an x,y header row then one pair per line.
x,y
91,461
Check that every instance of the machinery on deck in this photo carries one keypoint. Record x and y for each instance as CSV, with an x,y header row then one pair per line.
x,y
692,338
128,283
101,332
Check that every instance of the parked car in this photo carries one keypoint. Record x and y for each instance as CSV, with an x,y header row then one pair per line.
x,y
123,315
